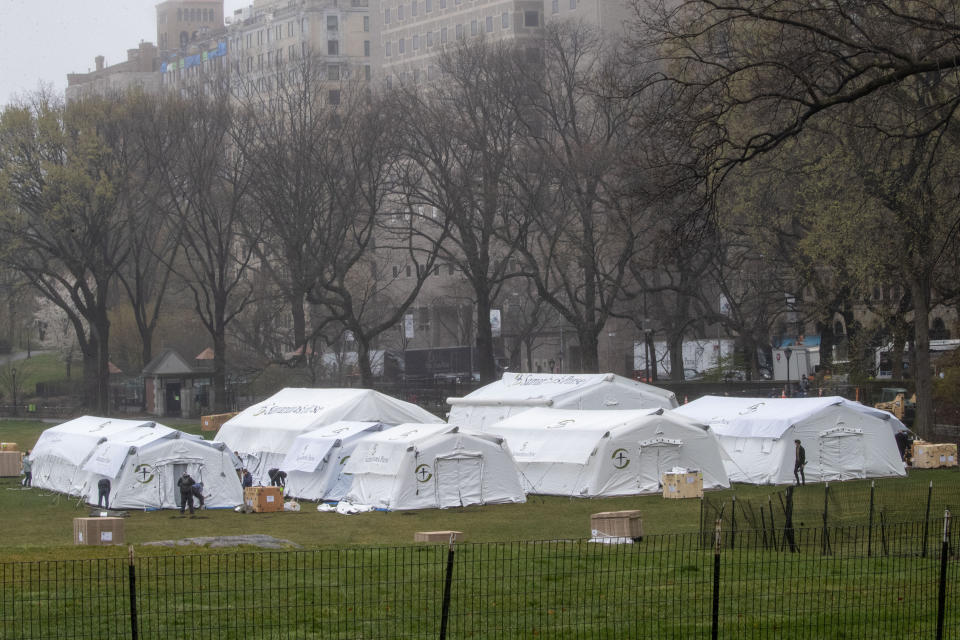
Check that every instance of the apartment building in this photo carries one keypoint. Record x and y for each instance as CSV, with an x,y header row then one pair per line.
x,y
139,71
182,22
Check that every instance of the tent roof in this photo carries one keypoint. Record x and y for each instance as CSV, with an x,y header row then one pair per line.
x,y
545,390
310,448
571,436
384,452
767,417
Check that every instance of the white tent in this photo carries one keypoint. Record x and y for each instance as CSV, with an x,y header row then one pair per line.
x,y
264,433
843,440
608,453
428,466
315,462
517,392
142,460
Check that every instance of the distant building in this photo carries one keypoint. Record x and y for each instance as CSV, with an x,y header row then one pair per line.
x,y
140,71
182,22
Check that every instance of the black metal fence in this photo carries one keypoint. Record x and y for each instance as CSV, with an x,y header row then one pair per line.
x,y
673,586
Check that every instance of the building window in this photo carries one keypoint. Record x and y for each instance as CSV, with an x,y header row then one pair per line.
x,y
292,52
269,58
413,8
473,27
400,12
555,6
366,48
429,5
573,4
279,33
443,34
259,61
366,72
401,47
332,23
333,97
290,29
429,38
366,24
459,33
416,42
388,49
396,271
333,47
333,72
531,19
386,16
505,20
408,271
489,24
443,4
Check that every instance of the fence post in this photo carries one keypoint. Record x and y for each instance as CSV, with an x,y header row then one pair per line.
x,y
132,572
926,521
825,549
733,522
788,525
773,530
944,553
445,608
870,522
715,619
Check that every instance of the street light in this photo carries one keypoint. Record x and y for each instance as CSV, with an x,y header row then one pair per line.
x,y
13,375
788,352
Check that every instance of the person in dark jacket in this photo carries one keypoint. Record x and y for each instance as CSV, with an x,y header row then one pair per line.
x,y
198,493
277,478
185,484
103,493
247,479
799,462
27,471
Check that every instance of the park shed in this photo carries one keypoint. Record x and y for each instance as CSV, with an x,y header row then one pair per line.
x,y
429,466
316,460
518,392
843,440
608,453
142,460
264,432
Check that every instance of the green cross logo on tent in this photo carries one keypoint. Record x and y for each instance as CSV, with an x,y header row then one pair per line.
x,y
144,473
423,473
620,458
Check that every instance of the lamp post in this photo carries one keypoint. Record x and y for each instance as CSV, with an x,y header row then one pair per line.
x,y
13,375
788,352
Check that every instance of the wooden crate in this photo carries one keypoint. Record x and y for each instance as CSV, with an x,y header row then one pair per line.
x,y
683,485
616,524
215,421
263,499
98,531
9,446
438,536
930,455
10,464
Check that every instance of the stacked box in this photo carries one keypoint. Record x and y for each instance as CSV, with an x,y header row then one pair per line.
x,y
929,455
263,499
10,464
215,421
683,485
616,524
9,446
438,536
98,531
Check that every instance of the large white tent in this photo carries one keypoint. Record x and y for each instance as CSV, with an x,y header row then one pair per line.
x,y
843,440
142,460
264,433
608,453
518,392
316,460
428,466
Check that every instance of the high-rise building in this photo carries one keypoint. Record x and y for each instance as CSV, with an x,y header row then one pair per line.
x,y
181,22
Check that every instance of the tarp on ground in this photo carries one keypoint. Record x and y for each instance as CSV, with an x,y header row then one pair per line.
x,y
264,432
608,453
142,460
518,392
428,466
842,439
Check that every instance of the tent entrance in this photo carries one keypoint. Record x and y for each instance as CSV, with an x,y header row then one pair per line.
x,y
459,480
178,470
841,454
657,456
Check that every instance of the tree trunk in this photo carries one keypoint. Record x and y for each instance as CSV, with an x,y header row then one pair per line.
x,y
589,350
363,360
219,386
299,321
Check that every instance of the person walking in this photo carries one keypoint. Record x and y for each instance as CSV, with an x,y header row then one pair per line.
x,y
103,493
198,494
185,484
27,471
799,461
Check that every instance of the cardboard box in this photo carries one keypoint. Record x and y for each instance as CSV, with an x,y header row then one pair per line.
x,y
8,446
263,499
10,464
215,421
683,485
438,536
616,524
929,455
98,531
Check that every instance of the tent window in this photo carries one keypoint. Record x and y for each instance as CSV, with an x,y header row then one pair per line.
x,y
766,445
740,444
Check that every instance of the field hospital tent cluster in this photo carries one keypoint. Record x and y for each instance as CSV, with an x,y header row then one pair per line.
x,y
518,392
843,440
265,433
142,460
